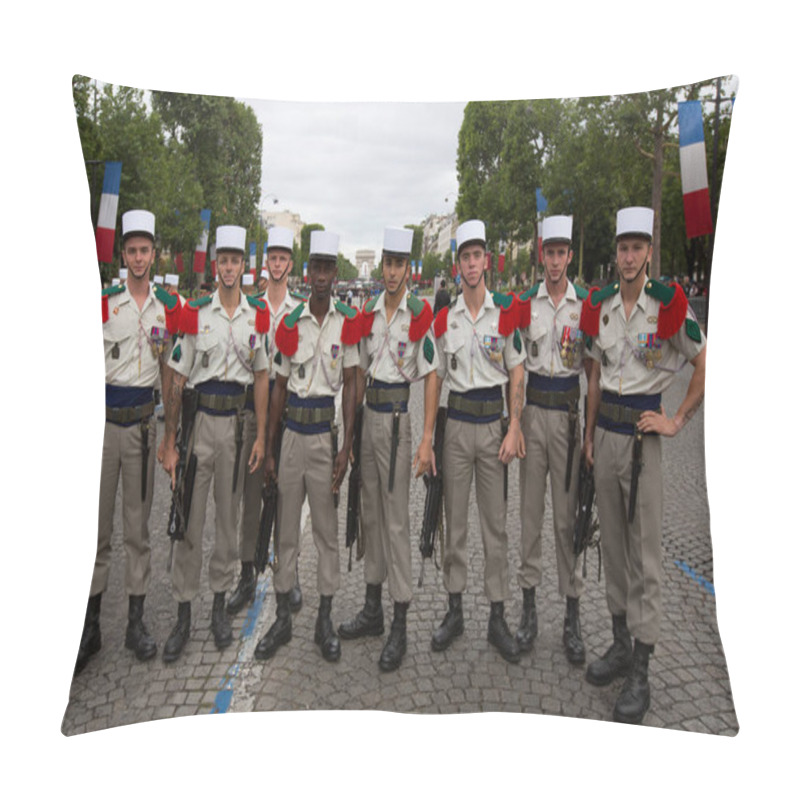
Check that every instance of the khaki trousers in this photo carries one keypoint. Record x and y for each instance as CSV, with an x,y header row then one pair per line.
x,y
215,448
122,454
472,448
546,434
251,499
631,552
384,514
306,469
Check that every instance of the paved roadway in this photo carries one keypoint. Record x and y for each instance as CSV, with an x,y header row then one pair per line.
x,y
689,678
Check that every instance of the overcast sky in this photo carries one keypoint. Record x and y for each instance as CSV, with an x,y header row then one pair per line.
x,y
357,168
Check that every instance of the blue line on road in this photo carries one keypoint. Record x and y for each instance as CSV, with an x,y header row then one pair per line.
x,y
707,585
224,696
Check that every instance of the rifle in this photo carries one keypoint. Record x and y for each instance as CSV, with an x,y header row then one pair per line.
x,y
586,522
184,474
269,513
434,485
353,529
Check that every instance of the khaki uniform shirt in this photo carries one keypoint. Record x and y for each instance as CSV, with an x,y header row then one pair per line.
x,y
225,348
134,341
287,305
554,343
472,353
388,355
316,368
633,360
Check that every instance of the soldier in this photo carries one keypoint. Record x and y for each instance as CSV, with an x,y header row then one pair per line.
x,y
549,321
317,354
396,350
221,350
480,351
137,322
279,264
641,333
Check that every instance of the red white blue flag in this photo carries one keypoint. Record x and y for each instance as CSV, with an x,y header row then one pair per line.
x,y
107,215
253,257
202,245
213,255
264,259
694,174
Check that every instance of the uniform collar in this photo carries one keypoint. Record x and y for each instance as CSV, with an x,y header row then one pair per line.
x,y
488,302
641,300
306,312
380,303
216,304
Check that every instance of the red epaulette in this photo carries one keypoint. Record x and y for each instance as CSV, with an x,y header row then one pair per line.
x,y
509,318
105,309
262,313
188,319
421,323
352,329
287,337
523,312
440,323
367,318
590,314
173,317
672,314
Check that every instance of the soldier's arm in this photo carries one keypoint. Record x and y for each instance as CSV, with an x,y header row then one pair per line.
x,y
592,406
261,401
659,422
513,445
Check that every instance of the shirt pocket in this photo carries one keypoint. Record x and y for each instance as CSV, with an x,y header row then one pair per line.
x,y
118,342
537,338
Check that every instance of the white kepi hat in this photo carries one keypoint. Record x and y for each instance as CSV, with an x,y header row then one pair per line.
x,y
231,237
635,221
159,279
472,230
171,279
398,240
324,245
247,279
557,229
280,237
123,274
140,223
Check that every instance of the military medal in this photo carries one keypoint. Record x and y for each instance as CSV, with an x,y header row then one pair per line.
x,y
401,349
334,355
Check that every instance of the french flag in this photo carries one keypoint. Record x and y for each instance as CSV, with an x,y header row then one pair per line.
x,y
213,255
305,272
453,253
264,259
202,245
252,257
694,175
107,215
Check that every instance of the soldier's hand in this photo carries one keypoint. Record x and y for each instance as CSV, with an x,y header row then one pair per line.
x,y
513,443
339,470
256,456
424,460
160,452
588,453
170,463
269,468
657,422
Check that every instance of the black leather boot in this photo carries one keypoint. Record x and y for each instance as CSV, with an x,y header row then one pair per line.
x,y
180,633
324,635
220,624
245,591
137,637
395,647
617,659
452,625
280,632
573,643
634,699
529,624
500,636
368,621
90,636
296,595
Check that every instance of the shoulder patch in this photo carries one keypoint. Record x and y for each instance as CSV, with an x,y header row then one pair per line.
x,y
176,353
660,291
290,319
167,298
110,291
693,331
345,309
517,341
427,349
532,292
256,302
674,304
371,304
602,294
581,292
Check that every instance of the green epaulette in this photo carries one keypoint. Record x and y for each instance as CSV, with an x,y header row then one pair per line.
x,y
112,290
167,298
532,292
290,320
199,302
256,302
606,292
345,309
369,307
502,300
298,296
580,292
660,291
415,305
259,295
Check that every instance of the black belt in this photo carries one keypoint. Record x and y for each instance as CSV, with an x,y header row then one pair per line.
x,y
127,415
621,413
